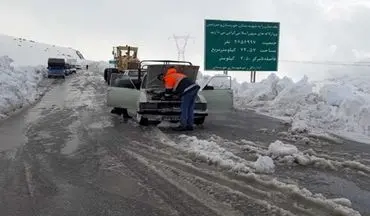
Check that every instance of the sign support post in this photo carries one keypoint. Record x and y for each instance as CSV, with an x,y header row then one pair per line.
x,y
253,76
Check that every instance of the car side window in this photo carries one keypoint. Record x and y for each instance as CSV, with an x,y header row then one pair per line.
x,y
121,81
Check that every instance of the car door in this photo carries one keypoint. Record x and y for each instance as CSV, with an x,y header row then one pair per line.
x,y
122,93
219,94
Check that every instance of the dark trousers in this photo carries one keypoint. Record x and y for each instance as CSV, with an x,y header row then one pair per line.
x,y
187,107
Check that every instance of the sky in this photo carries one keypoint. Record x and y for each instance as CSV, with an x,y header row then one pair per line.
x,y
315,30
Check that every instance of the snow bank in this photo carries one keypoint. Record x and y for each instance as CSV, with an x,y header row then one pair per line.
x,y
19,86
340,105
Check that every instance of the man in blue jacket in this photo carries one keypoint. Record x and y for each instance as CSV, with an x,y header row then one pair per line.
x,y
177,83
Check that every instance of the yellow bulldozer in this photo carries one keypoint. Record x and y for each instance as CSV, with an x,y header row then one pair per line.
x,y
124,58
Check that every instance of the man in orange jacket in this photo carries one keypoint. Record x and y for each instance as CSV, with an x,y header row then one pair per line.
x,y
179,84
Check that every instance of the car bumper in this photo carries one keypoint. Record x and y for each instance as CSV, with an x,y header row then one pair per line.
x,y
56,74
160,115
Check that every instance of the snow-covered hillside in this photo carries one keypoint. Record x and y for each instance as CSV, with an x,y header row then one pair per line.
x,y
338,106
26,52
23,68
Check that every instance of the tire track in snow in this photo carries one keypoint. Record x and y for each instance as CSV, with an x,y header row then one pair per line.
x,y
182,202
152,147
354,172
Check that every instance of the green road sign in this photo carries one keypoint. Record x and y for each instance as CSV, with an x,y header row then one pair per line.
x,y
241,46
112,61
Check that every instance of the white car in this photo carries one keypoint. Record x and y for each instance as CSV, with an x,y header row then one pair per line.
x,y
143,97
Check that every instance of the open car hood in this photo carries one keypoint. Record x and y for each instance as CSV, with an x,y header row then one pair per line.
x,y
191,71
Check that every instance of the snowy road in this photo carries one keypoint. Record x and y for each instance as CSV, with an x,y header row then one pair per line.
x,y
68,155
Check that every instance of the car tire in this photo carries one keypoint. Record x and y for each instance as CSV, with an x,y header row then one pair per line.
x,y
142,120
199,121
107,74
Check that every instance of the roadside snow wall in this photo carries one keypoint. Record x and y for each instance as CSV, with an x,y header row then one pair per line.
x,y
339,105
19,86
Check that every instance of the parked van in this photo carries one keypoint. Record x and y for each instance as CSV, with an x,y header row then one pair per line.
x,y
57,68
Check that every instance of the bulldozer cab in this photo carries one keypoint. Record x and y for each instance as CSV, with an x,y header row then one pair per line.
x,y
126,57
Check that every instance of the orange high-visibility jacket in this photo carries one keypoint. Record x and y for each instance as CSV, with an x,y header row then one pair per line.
x,y
176,82
172,78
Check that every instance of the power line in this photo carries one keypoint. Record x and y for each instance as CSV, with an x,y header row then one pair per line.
x,y
334,63
181,49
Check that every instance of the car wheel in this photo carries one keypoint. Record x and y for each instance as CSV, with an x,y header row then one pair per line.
x,y
108,77
199,121
106,74
142,120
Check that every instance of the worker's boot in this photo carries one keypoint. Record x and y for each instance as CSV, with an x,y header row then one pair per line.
x,y
115,111
179,128
189,128
126,117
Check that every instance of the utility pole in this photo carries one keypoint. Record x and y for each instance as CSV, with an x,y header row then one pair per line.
x,y
181,49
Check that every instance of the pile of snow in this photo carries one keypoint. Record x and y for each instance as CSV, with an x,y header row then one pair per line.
x,y
18,86
289,154
210,151
279,149
264,164
339,105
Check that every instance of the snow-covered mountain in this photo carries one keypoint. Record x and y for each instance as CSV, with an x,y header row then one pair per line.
x,y
23,68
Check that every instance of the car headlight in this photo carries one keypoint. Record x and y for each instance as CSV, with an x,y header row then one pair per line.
x,y
201,106
148,106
